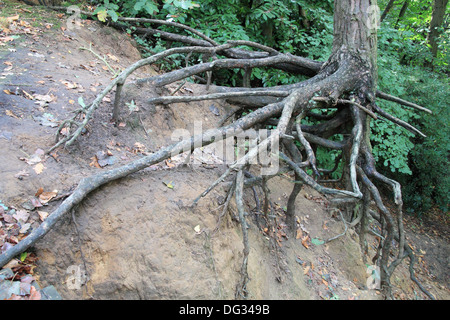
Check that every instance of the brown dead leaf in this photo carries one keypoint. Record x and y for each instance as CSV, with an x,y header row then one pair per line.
x,y
34,294
169,164
112,57
42,215
39,192
69,85
36,203
7,91
14,263
27,95
94,162
13,18
38,168
8,63
47,196
11,114
305,241
306,269
299,234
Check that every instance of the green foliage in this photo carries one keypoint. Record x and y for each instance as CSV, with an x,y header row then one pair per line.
x,y
403,70
275,23
429,183
107,9
412,29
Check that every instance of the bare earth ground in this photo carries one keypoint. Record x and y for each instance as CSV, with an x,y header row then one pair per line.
x,y
137,236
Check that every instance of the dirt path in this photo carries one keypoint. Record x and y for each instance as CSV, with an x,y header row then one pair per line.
x,y
137,237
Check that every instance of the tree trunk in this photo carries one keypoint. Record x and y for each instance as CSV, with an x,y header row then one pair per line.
x,y
402,12
387,9
437,19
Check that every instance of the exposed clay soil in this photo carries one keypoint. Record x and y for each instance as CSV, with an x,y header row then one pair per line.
x,y
137,236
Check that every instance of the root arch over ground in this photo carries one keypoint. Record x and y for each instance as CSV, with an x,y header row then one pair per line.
x,y
343,88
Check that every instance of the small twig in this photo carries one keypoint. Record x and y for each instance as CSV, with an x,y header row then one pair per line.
x,y
343,233
179,87
143,126
241,288
389,97
225,205
114,72
213,96
397,121
79,241
344,101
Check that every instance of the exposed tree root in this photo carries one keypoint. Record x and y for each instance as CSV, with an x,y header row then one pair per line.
x,y
343,86
241,288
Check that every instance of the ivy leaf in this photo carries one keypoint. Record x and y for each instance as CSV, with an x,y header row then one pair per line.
x,y
23,256
101,15
169,184
113,15
151,8
81,102
317,241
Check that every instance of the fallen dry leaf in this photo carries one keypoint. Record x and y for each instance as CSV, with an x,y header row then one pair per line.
x,y
27,95
170,165
25,227
36,203
94,162
69,85
38,168
38,193
45,197
305,241
11,114
21,215
34,294
42,215
14,263
306,269
112,57
13,18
